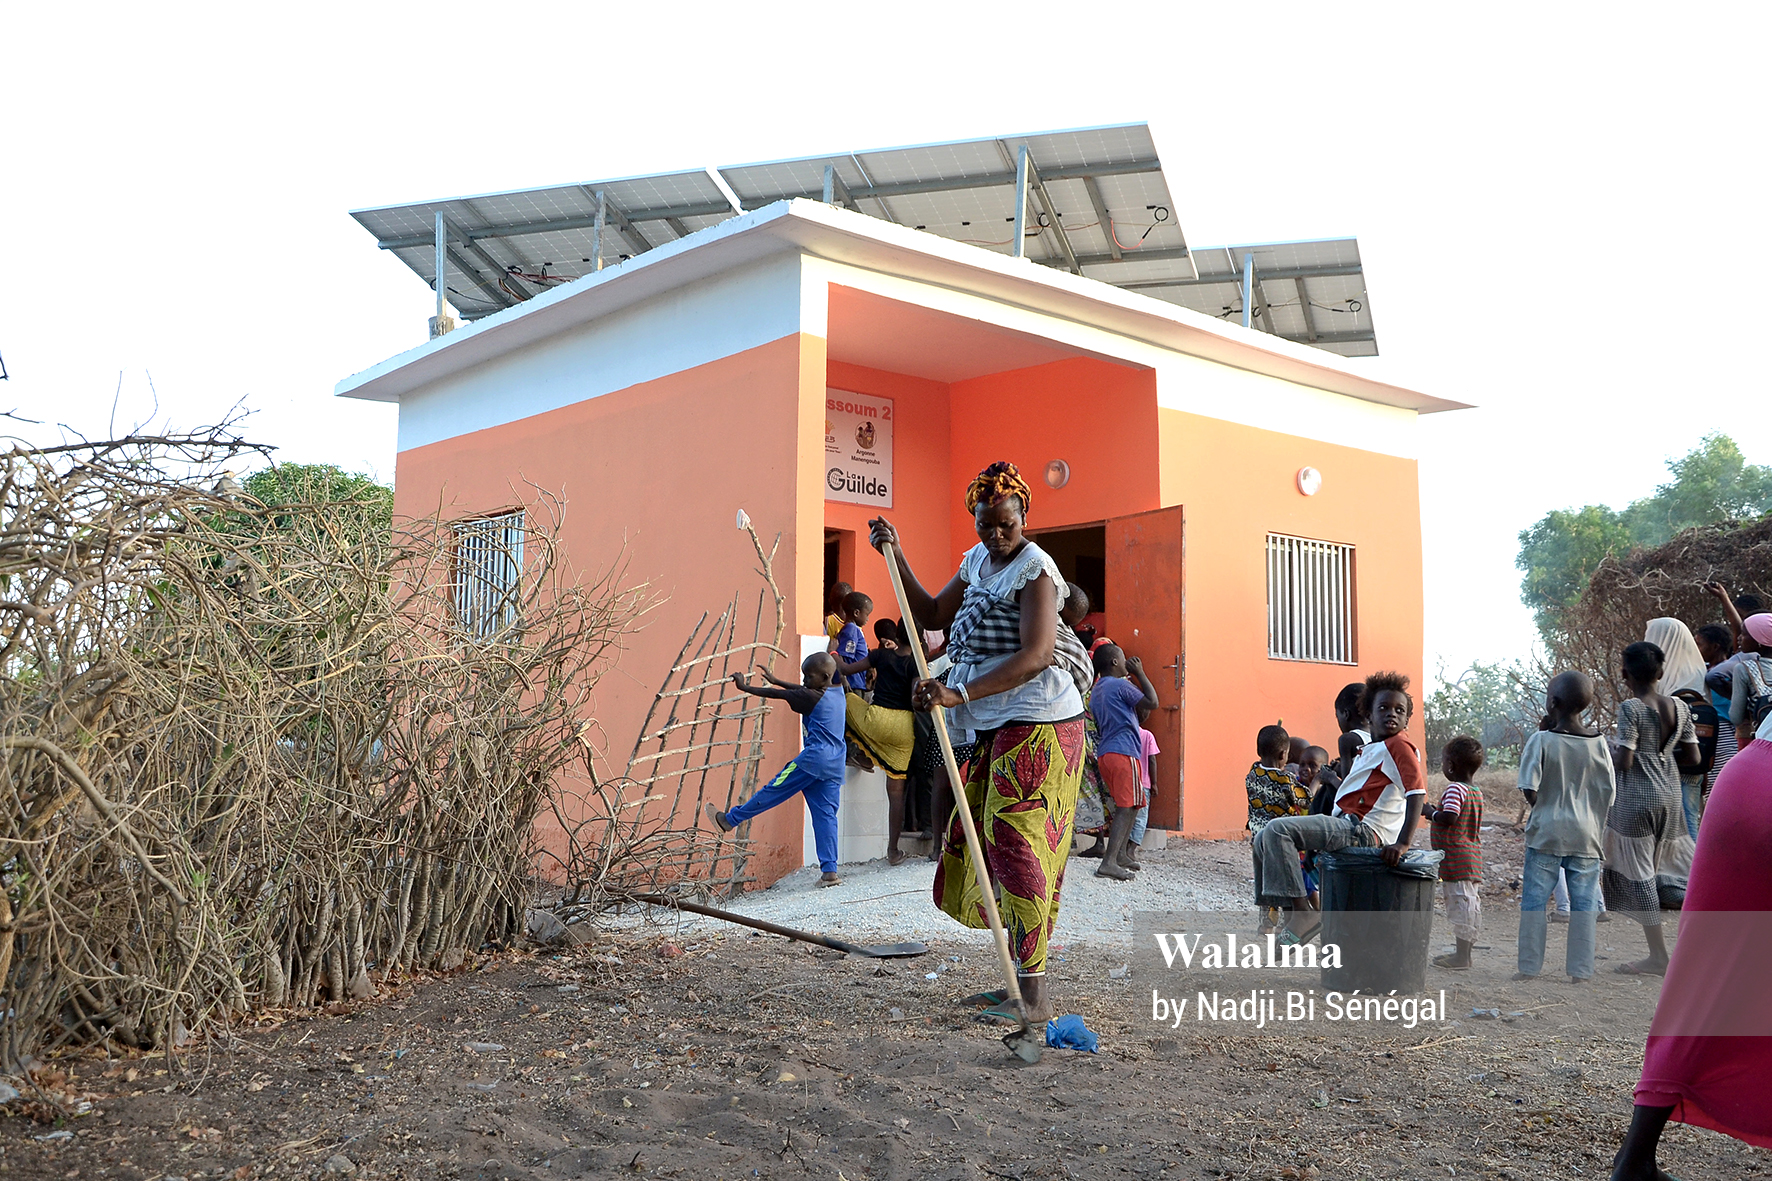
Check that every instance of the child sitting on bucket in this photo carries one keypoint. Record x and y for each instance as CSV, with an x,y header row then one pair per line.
x,y
1457,822
817,771
1378,806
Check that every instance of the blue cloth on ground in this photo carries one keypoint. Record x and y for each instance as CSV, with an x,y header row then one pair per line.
x,y
1069,1033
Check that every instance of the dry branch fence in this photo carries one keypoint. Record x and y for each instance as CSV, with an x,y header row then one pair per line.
x,y
248,755
1626,591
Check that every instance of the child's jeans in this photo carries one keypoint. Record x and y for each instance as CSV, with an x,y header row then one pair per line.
x,y
1139,824
1692,800
1279,878
1561,896
1538,879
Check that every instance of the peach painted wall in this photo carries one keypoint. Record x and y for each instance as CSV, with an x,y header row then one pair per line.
x,y
921,459
1237,485
1099,417
662,468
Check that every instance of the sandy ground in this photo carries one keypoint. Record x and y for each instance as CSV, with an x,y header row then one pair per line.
x,y
712,1053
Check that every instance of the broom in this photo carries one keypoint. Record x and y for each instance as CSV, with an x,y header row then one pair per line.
x,y
1025,1042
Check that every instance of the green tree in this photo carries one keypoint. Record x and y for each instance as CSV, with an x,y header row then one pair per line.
x,y
1493,703
323,483
1711,483
1559,553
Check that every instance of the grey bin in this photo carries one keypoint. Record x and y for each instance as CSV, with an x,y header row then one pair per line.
x,y
1382,918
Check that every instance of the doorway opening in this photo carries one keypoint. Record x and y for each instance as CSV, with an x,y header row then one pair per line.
x,y
1081,555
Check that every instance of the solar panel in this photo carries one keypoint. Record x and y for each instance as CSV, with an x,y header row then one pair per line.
x,y
1310,292
1098,204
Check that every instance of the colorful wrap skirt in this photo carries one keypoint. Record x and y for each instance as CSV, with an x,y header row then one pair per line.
x,y
1022,793
888,735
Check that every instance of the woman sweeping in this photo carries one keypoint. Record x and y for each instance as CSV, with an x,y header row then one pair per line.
x,y
1709,1060
1015,682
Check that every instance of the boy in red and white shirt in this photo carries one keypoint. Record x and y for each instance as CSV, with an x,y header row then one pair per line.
x,y
1377,805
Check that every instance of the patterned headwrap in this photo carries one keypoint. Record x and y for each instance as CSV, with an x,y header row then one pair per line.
x,y
997,483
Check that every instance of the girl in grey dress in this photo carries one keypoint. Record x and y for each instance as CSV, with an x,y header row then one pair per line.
x,y
1655,739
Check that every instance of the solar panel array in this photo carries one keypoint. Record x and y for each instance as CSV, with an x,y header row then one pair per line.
x,y
1310,292
1098,205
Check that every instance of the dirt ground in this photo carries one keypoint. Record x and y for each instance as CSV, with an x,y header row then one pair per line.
x,y
740,1056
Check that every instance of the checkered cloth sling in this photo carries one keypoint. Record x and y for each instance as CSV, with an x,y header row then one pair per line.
x,y
989,625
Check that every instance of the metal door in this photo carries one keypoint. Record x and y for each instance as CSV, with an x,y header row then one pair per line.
x,y
1144,616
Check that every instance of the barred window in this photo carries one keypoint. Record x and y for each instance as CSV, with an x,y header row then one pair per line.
x,y
488,573
1310,600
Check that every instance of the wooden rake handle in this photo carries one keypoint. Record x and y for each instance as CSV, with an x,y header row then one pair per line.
x,y
914,635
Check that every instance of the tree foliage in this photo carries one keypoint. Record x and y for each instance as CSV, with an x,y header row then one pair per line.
x,y
1497,704
1711,484
364,505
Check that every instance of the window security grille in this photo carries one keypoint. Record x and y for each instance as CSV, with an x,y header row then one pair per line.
x,y
1310,612
488,573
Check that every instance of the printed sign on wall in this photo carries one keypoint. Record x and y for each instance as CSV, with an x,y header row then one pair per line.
x,y
858,448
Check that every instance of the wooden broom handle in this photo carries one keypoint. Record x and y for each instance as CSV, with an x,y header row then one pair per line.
x,y
1000,937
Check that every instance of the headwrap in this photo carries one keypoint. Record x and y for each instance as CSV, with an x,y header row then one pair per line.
x,y
997,483
1759,627
1682,667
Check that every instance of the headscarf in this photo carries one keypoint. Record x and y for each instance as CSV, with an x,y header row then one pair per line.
x,y
1682,667
1759,627
996,483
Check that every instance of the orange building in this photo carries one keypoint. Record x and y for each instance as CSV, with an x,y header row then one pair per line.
x,y
1243,508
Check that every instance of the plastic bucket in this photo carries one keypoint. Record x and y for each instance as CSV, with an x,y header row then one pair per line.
x,y
1380,916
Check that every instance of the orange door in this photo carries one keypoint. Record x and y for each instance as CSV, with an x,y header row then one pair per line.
x,y
1144,616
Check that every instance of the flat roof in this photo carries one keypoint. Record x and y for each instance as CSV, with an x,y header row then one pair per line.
x,y
843,236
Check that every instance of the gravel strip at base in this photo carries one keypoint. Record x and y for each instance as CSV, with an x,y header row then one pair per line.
x,y
878,903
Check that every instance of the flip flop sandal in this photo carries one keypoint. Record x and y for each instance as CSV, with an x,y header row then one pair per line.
x,y
1003,1014
1291,938
983,1000
1634,970
1445,961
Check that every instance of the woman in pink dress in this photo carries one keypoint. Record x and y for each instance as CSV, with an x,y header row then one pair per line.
x,y
1709,1057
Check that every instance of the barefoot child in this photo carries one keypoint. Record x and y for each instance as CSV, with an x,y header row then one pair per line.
x,y
1566,777
817,771
1457,822
1118,705
1655,742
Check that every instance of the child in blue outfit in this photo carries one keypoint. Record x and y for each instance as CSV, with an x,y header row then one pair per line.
x,y
851,644
817,771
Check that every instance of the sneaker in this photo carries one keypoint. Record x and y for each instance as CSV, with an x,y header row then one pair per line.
x,y
1559,916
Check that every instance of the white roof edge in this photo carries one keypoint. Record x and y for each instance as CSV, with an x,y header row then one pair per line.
x,y
872,244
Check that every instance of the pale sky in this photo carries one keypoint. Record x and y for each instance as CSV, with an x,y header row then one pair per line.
x,y
1527,183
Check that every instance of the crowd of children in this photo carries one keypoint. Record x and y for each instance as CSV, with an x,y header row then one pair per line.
x,y
1612,820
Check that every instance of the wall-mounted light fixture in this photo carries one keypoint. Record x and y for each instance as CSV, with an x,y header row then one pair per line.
x,y
1309,480
1058,474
